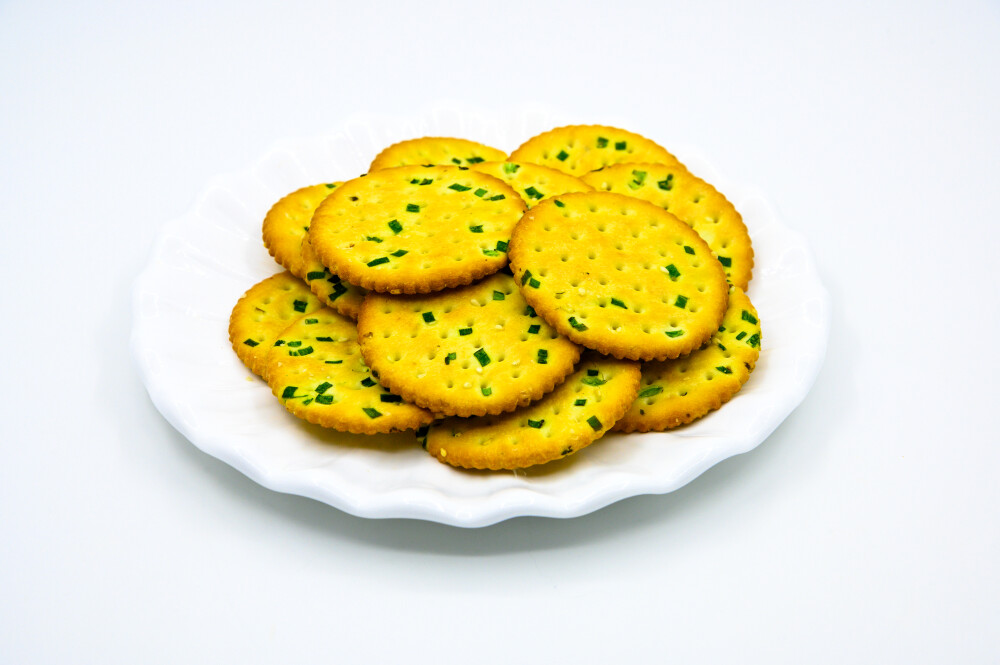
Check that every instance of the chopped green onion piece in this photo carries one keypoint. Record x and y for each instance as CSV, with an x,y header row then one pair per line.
x,y
372,413
498,197
400,252
482,357
330,185
479,192
456,160
510,167
726,261
673,272
373,238
592,372
502,245
333,362
721,348
534,193
464,331
448,358
385,397
299,305
338,290
535,423
288,392
754,339
491,252
476,229
529,310
576,324
324,399
534,283
498,295
426,181
602,142
368,382
307,401
543,357
315,275
724,370
747,316
486,391
395,225
309,322
741,335
674,333
459,188
412,207
559,203
650,391
295,343
689,250
580,402
525,277
474,160
379,261
681,302
640,177
333,279
594,423
304,351
620,145
562,155
250,342
667,184
618,303
594,380
280,342
534,328
323,387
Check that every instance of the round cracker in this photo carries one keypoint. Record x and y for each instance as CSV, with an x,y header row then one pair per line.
x,y
334,292
692,200
470,351
287,223
416,229
263,312
316,370
532,182
676,392
570,418
435,150
579,149
619,275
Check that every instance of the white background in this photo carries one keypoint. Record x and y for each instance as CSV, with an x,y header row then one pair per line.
x,y
865,529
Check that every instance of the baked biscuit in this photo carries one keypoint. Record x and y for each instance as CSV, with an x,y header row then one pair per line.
x,y
579,149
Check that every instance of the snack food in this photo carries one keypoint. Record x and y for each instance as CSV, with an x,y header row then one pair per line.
x,y
690,199
618,275
570,418
333,291
416,229
579,149
435,150
469,351
532,182
676,392
287,222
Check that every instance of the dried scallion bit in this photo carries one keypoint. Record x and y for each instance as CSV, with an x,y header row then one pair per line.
x,y
333,362
750,318
594,380
559,203
673,272
502,245
338,290
721,348
754,339
334,279
594,423
464,331
592,372
510,167
454,160
499,295
618,303
412,207
602,142
474,160
476,229
294,343
534,193
534,283
428,317
577,325
529,310
299,305
309,322
674,333
638,178
667,183
620,145
525,277
371,413
315,275
459,188
368,382
400,252
379,261
288,392
281,342
324,399
681,302
480,192
448,358
535,423
491,252
482,357
250,342
486,390
426,181
373,238
543,357
497,197
534,328
649,391
726,261
724,370
689,250
330,185
304,351
323,387
741,335
562,155
395,225
386,397
580,402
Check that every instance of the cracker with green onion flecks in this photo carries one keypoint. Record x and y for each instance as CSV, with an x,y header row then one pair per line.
x,y
579,149
470,351
533,182
315,369
676,392
435,150
568,419
416,229
287,223
692,200
619,275
333,291
263,312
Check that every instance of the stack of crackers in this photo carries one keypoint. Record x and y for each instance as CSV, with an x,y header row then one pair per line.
x,y
510,309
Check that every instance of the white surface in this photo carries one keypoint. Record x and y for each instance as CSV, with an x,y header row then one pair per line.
x,y
863,530
204,260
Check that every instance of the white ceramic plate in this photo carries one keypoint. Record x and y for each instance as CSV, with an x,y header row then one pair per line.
x,y
202,263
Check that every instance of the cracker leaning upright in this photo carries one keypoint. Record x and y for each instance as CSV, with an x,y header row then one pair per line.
x,y
416,229
579,149
619,275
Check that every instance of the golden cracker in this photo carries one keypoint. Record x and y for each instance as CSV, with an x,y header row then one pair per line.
x,y
579,149
619,275
287,223
263,312
316,370
532,182
416,229
470,351
570,418
435,150
676,392
334,292
692,200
